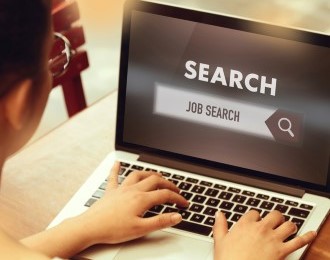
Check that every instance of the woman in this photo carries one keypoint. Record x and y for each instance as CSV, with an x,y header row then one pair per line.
x,y
26,39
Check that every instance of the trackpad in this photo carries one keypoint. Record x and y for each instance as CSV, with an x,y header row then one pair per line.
x,y
164,245
157,245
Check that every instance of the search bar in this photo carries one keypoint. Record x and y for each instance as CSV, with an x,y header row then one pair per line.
x,y
270,123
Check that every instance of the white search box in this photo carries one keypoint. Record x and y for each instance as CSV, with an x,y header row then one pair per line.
x,y
214,111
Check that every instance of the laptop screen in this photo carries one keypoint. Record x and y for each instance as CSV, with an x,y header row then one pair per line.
x,y
226,91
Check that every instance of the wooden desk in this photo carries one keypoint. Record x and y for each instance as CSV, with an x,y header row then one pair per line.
x,y
39,180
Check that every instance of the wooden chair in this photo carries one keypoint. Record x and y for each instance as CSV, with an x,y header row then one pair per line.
x,y
65,13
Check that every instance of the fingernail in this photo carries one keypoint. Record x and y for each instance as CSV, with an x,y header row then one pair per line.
x,y
176,218
217,214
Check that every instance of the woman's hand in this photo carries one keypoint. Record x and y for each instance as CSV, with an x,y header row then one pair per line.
x,y
117,216
252,238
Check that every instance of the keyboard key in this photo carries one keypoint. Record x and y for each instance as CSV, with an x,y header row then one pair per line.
x,y
194,227
290,237
209,221
298,213
137,167
128,172
281,208
226,205
186,195
165,174
298,222
169,204
206,183
174,181
151,170
103,186
277,200
157,208
121,171
98,194
211,192
196,207
240,208
253,202
236,217
198,189
305,206
239,199
123,164
267,205
256,209
286,217
225,195
234,190
212,202
120,179
199,199
170,210
210,211
220,187
178,177
263,196
185,214
197,218
230,224
192,180
185,186
264,214
226,213
149,214
291,203
90,202
248,193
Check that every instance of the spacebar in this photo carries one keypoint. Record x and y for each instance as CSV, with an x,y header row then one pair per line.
x,y
192,227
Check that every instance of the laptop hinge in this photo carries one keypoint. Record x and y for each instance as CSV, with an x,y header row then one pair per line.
x,y
222,175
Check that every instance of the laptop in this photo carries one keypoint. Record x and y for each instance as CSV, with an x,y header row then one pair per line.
x,y
233,111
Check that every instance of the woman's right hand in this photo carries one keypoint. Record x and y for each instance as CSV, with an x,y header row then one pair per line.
x,y
252,238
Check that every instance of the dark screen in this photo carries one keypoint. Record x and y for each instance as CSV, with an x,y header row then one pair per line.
x,y
228,96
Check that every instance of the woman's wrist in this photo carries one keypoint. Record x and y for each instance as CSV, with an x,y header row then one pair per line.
x,y
81,235
64,240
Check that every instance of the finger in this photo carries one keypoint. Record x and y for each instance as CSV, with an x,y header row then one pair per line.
x,y
285,230
298,242
220,228
155,182
161,221
113,177
273,219
158,197
250,216
137,176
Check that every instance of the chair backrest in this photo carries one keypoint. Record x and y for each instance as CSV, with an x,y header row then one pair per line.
x,y
65,13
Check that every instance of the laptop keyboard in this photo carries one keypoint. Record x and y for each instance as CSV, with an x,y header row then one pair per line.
x,y
206,198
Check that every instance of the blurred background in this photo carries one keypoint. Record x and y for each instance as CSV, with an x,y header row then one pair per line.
x,y
101,20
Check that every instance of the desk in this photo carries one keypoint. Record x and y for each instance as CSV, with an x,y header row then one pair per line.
x,y
39,180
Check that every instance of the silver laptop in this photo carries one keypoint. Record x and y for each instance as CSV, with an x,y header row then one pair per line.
x,y
235,112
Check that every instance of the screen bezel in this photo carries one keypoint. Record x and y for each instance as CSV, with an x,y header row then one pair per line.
x,y
217,20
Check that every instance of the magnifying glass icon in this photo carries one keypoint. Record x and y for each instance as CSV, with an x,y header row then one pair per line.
x,y
287,124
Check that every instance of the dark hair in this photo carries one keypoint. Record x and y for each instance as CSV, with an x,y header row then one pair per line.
x,y
24,25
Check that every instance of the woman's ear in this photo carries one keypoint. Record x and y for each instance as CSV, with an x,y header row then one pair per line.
x,y
17,104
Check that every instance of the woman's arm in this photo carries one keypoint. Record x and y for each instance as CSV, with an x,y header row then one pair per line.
x,y
11,249
116,217
64,240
